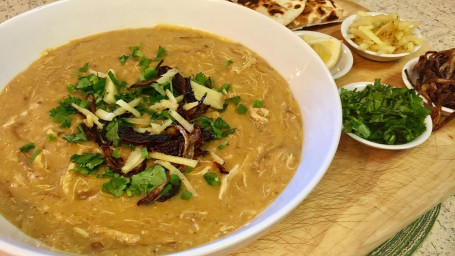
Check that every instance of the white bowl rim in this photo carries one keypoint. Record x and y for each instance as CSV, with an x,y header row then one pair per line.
x,y
346,53
344,32
417,141
223,244
409,66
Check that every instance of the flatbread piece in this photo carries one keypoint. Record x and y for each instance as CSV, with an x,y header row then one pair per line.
x,y
282,11
318,12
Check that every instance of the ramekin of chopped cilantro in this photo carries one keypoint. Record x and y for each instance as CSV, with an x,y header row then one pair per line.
x,y
383,114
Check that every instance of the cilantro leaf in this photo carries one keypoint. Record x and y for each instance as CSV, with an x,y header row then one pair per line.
x,y
148,179
84,68
116,186
258,103
77,137
241,109
112,132
35,154
123,58
219,127
202,79
87,163
186,195
116,82
227,63
212,179
27,147
160,54
235,100
62,113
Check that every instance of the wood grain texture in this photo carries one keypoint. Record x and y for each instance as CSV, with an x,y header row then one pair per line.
x,y
367,195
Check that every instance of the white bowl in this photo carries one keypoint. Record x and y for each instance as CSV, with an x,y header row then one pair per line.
x,y
367,53
413,76
417,141
23,38
344,63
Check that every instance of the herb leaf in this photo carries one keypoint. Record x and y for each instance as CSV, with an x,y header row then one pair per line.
x,y
116,186
258,103
160,54
212,179
87,163
241,109
27,147
112,132
76,137
62,113
35,154
147,180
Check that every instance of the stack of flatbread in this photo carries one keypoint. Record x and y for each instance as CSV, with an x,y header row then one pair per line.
x,y
297,14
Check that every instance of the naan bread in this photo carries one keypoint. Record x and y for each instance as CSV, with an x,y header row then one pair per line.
x,y
317,12
282,11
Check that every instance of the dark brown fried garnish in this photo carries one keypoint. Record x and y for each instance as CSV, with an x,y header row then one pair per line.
x,y
115,164
152,195
436,83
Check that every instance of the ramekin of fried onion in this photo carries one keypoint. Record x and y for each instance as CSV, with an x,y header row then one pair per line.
x,y
434,79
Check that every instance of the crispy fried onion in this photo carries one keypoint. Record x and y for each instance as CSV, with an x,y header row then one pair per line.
x,y
436,83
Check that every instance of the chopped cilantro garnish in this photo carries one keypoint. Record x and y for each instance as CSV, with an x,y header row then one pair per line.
x,y
150,72
145,153
62,113
116,82
71,88
50,137
189,169
144,63
116,186
219,127
212,179
241,109
202,79
174,179
35,154
258,103
166,189
84,68
112,132
77,137
87,163
235,100
227,63
116,153
135,52
160,54
225,87
123,58
27,147
383,114
186,195
147,180
223,144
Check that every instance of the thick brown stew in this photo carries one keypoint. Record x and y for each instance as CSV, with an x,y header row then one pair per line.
x,y
60,196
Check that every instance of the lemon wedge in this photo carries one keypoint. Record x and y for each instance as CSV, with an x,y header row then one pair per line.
x,y
329,49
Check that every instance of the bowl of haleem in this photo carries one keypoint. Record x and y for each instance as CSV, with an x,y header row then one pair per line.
x,y
146,130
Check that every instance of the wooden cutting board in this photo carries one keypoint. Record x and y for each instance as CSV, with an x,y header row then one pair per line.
x,y
367,195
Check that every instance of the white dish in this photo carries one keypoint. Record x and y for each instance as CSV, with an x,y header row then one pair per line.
x,y
344,63
310,81
413,76
367,53
417,141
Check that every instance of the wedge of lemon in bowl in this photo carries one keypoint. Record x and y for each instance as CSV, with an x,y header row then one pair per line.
x,y
328,48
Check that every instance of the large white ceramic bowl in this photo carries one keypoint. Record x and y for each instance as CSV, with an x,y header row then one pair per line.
x,y
23,37
371,54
